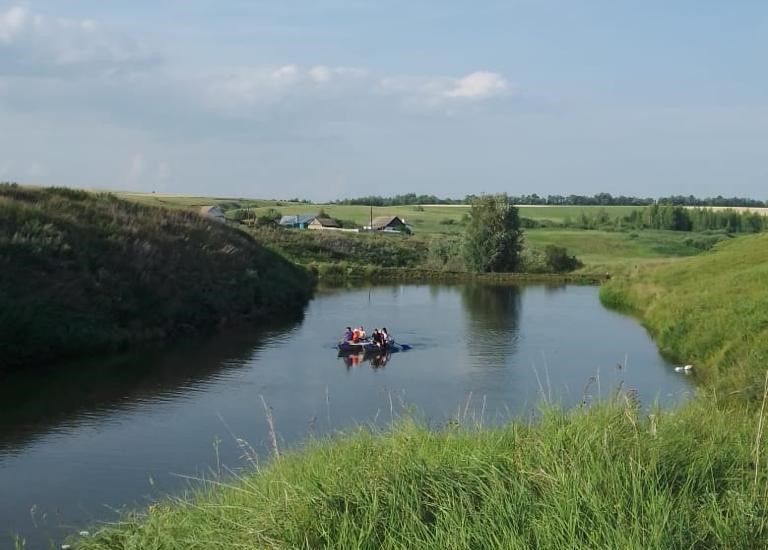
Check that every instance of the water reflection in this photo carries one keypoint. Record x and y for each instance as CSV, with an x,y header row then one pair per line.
x,y
493,315
86,391
375,360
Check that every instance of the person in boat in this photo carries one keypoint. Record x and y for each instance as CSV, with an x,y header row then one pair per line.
x,y
385,339
348,335
377,338
361,332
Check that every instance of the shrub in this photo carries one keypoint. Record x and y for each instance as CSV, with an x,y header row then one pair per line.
x,y
558,260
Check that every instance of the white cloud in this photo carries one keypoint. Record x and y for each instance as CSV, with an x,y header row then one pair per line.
x,y
34,44
436,91
12,22
320,74
249,86
478,85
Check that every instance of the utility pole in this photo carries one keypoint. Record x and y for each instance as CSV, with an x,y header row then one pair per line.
x,y
371,226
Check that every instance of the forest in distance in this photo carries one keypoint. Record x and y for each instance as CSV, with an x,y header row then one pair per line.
x,y
533,199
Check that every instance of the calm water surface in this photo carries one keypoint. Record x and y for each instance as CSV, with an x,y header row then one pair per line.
x,y
79,443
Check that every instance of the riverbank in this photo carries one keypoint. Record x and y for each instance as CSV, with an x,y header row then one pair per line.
x,y
605,477
82,273
346,273
710,310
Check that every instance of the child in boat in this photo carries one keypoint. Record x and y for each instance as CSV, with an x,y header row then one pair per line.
x,y
348,335
384,336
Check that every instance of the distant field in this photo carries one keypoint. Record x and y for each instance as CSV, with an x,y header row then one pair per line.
x,y
599,250
611,249
560,213
427,219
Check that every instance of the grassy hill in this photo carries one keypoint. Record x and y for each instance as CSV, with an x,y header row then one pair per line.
x,y
83,273
710,310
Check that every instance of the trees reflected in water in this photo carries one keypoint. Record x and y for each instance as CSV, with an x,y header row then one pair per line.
x,y
493,318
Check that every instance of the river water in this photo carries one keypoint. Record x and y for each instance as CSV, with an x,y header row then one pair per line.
x,y
79,443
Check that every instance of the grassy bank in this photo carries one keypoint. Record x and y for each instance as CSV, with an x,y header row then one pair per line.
x,y
609,477
83,273
710,310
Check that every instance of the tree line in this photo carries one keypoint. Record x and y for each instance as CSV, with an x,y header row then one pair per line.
x,y
599,199
674,218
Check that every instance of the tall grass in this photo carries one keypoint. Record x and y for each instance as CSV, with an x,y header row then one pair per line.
x,y
607,477
82,273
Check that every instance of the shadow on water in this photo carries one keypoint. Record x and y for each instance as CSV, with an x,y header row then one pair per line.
x,y
493,316
38,400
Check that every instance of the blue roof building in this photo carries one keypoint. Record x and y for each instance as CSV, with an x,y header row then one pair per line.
x,y
300,221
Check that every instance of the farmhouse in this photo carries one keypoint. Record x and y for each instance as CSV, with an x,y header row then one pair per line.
x,y
300,221
389,223
324,223
213,212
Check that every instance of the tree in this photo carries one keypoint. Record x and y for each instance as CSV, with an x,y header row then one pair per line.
x,y
493,237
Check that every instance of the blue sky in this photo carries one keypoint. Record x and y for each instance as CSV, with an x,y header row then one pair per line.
x,y
325,99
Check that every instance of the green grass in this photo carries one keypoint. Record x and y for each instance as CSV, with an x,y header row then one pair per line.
x,y
612,249
559,214
608,477
82,273
710,310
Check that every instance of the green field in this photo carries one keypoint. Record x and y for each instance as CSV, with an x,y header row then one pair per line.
x,y
615,249
424,219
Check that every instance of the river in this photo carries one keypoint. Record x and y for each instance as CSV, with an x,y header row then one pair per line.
x,y
81,442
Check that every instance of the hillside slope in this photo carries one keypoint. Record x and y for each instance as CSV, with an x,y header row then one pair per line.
x,y
83,273
711,310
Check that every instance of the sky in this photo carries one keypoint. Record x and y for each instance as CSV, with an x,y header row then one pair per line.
x,y
328,99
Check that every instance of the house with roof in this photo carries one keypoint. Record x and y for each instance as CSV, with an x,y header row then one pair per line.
x,y
213,212
299,221
323,223
390,224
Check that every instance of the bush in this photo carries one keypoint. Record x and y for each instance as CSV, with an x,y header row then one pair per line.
x,y
558,260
